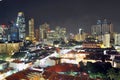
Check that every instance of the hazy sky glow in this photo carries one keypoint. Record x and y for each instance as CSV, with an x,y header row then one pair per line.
x,y
72,14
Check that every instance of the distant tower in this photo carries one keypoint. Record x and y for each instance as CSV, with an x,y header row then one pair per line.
x,y
3,32
21,25
101,28
14,32
31,29
97,29
80,36
80,31
44,28
99,22
106,40
111,28
37,34
116,39
105,27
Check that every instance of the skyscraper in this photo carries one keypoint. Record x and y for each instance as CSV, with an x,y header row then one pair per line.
x,y
101,28
14,32
4,32
81,31
80,36
21,25
116,39
1,32
44,28
37,34
96,29
105,27
106,40
31,29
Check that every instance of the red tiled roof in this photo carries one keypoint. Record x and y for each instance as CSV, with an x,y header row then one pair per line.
x,y
63,68
55,76
20,75
51,73
17,61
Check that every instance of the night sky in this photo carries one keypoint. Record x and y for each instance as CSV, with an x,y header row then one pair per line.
x,y
72,14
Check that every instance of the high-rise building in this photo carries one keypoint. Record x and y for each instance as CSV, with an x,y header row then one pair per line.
x,y
80,31
57,34
14,33
31,29
111,28
37,34
96,29
105,27
80,36
106,40
117,39
3,32
101,28
44,28
21,25
71,36
60,32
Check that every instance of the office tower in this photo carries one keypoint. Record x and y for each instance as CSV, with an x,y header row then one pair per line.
x,y
71,36
14,32
63,33
111,28
81,31
37,34
117,39
80,36
21,25
105,27
44,28
57,34
3,32
60,32
106,40
31,29
96,29
101,28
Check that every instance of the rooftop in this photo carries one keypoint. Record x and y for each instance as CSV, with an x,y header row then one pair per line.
x,y
1,61
21,75
63,67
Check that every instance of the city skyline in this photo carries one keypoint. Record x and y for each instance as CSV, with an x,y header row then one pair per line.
x,y
65,13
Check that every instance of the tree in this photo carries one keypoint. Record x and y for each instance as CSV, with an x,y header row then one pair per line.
x,y
56,42
90,67
111,73
3,56
117,76
81,66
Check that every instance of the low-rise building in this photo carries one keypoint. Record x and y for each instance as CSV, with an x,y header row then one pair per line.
x,y
27,74
3,65
10,47
19,65
116,62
